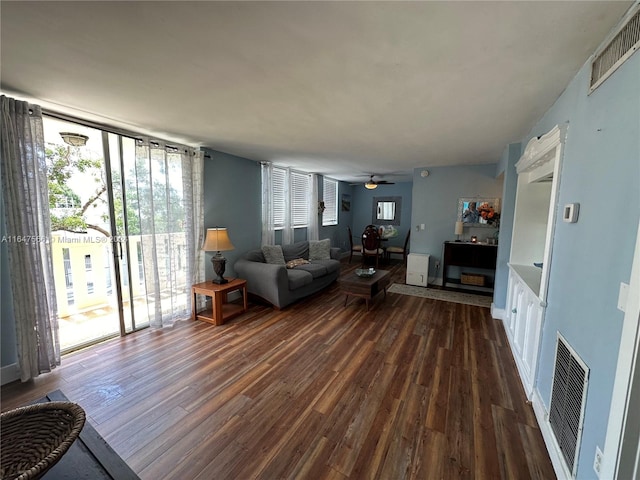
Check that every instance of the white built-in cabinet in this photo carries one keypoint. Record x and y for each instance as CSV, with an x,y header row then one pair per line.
x,y
532,243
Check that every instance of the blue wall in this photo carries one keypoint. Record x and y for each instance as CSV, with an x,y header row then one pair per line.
x,y
601,171
435,203
232,199
338,233
507,170
362,207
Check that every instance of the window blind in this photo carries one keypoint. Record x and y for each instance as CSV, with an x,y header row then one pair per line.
x,y
300,192
330,198
278,179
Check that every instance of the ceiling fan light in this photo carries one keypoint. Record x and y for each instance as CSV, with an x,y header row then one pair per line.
x,y
370,185
74,139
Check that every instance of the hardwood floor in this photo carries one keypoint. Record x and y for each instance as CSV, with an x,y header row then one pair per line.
x,y
413,388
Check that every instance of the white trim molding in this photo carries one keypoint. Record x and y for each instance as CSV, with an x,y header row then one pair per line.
x,y
542,416
542,154
498,313
628,361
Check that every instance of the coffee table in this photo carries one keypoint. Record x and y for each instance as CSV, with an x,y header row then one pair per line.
x,y
366,288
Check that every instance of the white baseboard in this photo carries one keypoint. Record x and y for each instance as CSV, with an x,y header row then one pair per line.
x,y
9,374
498,313
542,416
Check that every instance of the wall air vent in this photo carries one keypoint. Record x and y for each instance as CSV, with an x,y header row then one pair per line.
x,y
616,51
568,399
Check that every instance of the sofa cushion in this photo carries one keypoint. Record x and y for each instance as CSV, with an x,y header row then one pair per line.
x,y
331,265
296,250
315,269
255,256
298,278
320,249
273,254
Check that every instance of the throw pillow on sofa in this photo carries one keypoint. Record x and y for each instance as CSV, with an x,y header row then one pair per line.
x,y
296,262
273,254
320,249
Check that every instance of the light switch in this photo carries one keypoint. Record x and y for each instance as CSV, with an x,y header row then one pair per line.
x,y
570,212
622,296
422,226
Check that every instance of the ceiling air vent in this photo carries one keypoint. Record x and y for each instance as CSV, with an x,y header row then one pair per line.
x,y
615,52
567,401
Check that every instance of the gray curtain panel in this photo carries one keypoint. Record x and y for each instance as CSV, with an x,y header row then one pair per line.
x,y
26,200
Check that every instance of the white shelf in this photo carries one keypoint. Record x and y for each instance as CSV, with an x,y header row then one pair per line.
x,y
531,276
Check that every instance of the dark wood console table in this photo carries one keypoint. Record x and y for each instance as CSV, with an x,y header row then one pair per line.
x,y
471,255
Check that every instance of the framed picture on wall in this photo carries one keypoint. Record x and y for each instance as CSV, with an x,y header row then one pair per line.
x,y
478,211
346,202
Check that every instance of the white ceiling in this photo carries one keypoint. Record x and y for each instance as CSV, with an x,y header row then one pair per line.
x,y
340,88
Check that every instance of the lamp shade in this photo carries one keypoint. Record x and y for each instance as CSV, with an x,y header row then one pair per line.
x,y
370,185
217,240
459,228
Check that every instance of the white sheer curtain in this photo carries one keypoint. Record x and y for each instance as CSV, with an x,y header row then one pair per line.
x,y
170,200
26,200
314,229
196,181
268,232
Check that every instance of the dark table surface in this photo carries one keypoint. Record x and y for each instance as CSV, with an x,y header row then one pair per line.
x,y
90,457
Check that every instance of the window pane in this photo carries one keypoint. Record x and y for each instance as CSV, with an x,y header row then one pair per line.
x,y
330,198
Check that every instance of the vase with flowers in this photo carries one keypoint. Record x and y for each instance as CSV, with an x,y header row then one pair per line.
x,y
489,216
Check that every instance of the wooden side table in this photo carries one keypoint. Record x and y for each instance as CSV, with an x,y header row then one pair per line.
x,y
220,310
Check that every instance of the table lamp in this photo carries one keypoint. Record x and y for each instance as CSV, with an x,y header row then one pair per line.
x,y
459,230
217,240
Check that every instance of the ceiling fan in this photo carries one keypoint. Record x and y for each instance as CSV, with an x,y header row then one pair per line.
x,y
371,183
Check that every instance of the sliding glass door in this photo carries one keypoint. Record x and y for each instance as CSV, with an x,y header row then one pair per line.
x,y
126,219
91,265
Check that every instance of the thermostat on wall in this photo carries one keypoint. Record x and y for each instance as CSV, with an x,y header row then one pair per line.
x,y
570,212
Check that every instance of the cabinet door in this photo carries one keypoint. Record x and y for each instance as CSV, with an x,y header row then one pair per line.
x,y
532,334
512,303
520,323
524,327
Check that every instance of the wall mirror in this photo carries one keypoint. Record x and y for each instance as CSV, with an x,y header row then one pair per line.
x,y
386,210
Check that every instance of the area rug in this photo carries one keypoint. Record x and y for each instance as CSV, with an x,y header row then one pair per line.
x,y
444,295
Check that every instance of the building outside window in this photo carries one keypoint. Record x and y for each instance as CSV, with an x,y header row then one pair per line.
x,y
107,270
88,273
68,276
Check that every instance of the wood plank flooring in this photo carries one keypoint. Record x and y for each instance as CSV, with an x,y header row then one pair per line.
x,y
412,389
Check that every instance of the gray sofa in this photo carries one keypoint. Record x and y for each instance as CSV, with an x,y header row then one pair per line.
x,y
281,286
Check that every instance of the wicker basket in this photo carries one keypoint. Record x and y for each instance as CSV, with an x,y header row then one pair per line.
x,y
35,437
472,279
